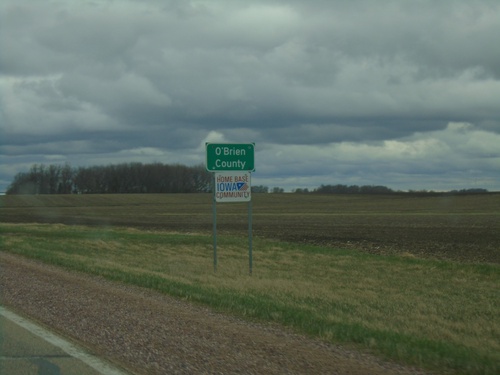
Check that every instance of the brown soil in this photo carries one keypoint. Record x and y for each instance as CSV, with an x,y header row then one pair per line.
x,y
458,228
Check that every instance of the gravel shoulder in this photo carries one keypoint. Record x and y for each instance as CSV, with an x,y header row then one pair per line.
x,y
151,333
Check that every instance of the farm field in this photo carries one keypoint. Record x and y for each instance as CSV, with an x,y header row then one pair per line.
x,y
462,228
413,279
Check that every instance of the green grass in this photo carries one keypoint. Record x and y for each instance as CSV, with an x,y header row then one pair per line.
x,y
437,314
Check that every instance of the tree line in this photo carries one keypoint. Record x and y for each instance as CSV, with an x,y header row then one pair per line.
x,y
111,179
377,189
156,178
353,189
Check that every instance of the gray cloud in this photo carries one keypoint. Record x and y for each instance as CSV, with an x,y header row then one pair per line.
x,y
331,91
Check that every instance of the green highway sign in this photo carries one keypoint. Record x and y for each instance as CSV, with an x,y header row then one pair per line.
x,y
230,157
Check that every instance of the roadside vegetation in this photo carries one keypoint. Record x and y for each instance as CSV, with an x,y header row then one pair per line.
x,y
437,314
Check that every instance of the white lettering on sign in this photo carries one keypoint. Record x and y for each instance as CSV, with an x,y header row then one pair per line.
x,y
230,151
236,164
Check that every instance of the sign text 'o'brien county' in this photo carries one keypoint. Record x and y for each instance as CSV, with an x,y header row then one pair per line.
x,y
230,157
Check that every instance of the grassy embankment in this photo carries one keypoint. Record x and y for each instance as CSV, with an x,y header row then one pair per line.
x,y
438,314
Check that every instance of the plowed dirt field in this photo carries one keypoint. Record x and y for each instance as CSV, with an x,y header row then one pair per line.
x,y
461,227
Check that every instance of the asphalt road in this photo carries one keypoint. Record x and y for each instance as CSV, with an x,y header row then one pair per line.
x,y
29,349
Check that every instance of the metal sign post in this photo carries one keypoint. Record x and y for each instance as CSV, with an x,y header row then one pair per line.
x,y
214,218
232,165
250,261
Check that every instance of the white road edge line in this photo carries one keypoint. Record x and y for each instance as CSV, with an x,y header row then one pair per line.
x,y
97,364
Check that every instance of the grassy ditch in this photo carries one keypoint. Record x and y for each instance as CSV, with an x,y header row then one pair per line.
x,y
437,314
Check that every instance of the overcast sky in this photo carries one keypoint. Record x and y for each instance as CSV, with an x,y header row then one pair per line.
x,y
404,94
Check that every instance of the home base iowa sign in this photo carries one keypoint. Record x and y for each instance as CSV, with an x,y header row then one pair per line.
x,y
232,187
